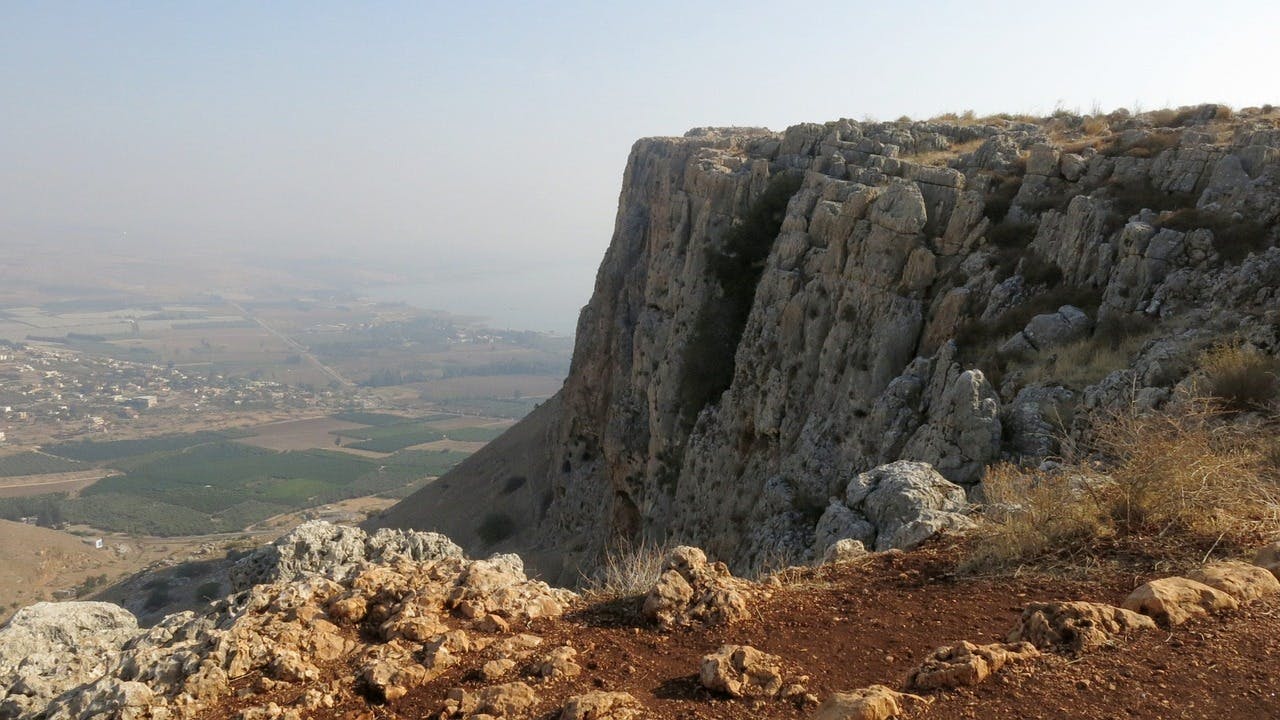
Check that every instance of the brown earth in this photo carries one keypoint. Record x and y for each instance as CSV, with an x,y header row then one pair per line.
x,y
850,626
66,482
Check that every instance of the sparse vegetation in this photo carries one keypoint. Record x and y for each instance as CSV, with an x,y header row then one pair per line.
x,y
1240,378
626,571
1233,238
1112,346
977,335
1151,145
209,591
513,483
1186,476
999,198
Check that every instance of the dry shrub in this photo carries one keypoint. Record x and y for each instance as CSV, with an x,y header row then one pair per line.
x,y
626,571
1095,125
1081,363
1181,479
1239,377
1034,514
1113,345
1185,473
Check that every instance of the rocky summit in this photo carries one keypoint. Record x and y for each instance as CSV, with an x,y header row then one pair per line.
x,y
419,631
780,314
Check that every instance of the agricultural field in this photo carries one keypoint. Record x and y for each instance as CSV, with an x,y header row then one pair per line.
x,y
304,434
35,463
216,482
390,438
99,451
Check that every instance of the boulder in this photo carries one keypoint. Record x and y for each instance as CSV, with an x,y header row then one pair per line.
x,y
965,664
1242,581
1174,600
601,705
908,502
558,663
741,671
693,591
843,551
838,524
876,702
508,700
1050,330
1076,626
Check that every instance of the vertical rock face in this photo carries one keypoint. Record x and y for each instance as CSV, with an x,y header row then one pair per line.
x,y
723,391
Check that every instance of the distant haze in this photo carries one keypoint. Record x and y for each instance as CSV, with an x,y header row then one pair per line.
x,y
447,139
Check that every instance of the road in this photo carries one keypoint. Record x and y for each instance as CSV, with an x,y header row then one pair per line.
x,y
294,345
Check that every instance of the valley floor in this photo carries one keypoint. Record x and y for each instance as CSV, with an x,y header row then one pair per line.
x,y
858,624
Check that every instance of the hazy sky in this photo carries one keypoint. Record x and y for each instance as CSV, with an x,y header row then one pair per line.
x,y
464,135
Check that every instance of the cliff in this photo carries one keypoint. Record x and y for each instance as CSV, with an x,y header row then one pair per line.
x,y
779,312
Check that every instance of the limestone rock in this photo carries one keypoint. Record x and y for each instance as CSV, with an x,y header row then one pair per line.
x,y
1076,626
876,702
843,551
600,705
692,591
49,648
97,663
965,664
559,663
1050,330
848,354
508,700
1242,581
322,548
839,523
1174,600
907,502
741,671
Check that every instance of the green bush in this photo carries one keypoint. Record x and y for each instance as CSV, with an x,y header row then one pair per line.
x,y
999,197
736,264
1233,239
495,528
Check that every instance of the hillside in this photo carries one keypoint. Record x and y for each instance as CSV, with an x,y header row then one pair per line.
x,y
778,312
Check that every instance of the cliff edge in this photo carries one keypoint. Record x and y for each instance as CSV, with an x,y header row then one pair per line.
x,y
779,313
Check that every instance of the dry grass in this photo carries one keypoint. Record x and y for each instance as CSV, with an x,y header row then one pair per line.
x,y
1239,377
1086,361
627,571
1183,479
1186,473
940,158
1032,514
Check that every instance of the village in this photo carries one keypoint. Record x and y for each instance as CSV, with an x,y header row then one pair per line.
x,y
61,394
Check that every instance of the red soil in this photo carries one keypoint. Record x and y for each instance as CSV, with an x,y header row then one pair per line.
x,y
851,626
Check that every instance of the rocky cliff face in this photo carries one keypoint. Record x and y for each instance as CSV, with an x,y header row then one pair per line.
x,y
780,312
